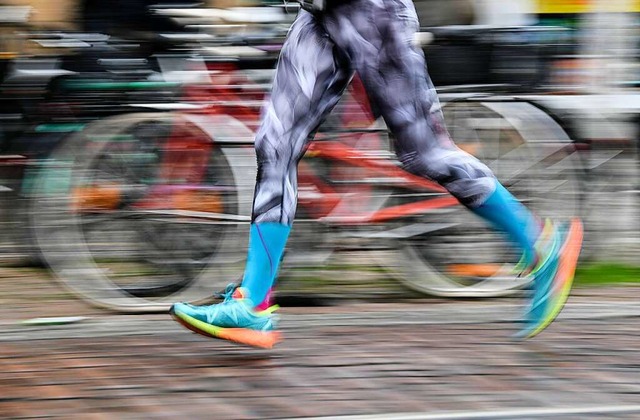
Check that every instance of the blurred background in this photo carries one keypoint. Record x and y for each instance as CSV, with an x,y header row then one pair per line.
x,y
126,181
126,165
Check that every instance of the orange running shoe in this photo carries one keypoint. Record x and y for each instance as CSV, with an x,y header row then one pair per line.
x,y
235,319
553,278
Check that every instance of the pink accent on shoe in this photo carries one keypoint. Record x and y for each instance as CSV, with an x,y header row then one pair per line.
x,y
266,303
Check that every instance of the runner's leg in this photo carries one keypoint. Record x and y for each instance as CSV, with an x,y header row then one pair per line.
x,y
377,36
310,78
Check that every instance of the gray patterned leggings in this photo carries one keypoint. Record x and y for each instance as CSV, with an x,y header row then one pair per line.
x,y
318,59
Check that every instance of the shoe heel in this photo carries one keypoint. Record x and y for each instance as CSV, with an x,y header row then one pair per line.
x,y
568,262
261,339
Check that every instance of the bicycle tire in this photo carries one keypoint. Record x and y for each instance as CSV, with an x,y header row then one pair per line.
x,y
462,256
98,274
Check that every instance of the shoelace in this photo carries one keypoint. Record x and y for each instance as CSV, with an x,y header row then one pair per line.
x,y
227,294
546,245
522,269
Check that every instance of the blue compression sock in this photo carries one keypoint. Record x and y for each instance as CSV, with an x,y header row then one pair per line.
x,y
266,246
507,214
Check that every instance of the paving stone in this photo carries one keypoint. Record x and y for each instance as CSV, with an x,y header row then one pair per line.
x,y
427,356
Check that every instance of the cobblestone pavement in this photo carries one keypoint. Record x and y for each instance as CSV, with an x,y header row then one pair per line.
x,y
429,359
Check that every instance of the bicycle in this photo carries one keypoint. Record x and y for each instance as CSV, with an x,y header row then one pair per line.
x,y
140,210
185,232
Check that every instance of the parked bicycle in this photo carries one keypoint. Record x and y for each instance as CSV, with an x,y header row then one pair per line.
x,y
151,206
140,209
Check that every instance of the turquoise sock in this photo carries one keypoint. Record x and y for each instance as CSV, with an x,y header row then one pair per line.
x,y
266,246
507,214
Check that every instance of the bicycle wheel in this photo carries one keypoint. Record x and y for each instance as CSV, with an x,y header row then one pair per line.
x,y
458,254
138,211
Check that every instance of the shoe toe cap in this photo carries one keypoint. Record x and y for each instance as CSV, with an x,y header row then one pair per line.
x,y
181,309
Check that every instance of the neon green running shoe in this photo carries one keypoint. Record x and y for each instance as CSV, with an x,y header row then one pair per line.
x,y
235,319
553,276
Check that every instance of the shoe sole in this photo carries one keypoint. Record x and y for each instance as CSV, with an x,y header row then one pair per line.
x,y
253,338
563,279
